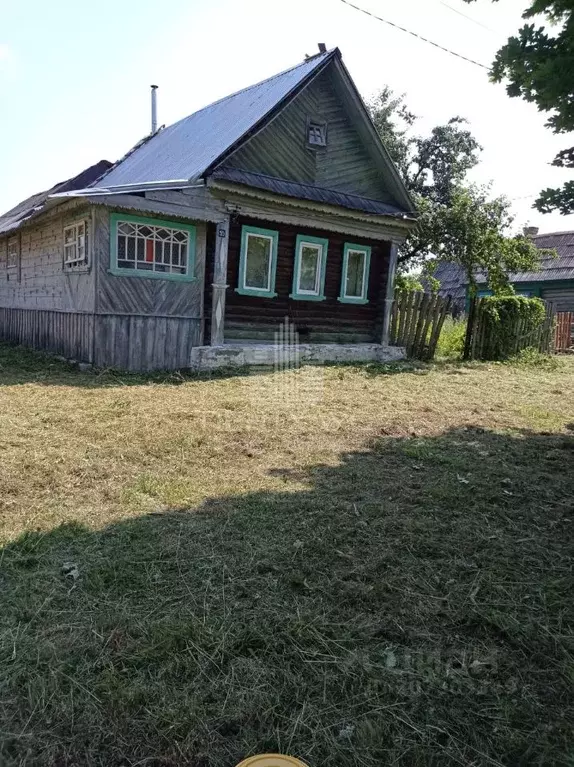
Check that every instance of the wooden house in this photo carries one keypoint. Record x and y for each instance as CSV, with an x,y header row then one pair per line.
x,y
553,281
279,201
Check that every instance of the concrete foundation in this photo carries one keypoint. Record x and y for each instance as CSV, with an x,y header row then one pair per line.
x,y
241,355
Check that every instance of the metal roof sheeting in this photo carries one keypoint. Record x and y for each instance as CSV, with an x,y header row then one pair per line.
x,y
34,205
186,149
560,267
307,192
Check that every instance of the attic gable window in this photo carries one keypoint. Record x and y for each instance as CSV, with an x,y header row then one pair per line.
x,y
316,133
75,245
149,247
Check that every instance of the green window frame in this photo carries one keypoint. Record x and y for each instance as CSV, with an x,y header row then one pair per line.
x,y
155,237
349,251
253,234
321,246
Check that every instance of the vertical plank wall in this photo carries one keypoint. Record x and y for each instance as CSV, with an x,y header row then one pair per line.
x,y
41,305
145,324
130,323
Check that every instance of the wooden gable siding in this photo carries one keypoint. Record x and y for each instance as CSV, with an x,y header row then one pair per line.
x,y
254,318
561,297
281,149
41,281
144,296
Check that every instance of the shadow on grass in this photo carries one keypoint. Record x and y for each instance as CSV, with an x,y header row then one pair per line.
x,y
411,607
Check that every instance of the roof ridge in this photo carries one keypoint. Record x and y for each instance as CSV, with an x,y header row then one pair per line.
x,y
551,234
323,56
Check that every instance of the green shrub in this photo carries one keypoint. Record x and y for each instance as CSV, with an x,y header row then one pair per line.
x,y
507,321
409,283
451,340
531,357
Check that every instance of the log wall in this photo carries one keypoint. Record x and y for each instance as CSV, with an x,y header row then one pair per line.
x,y
255,318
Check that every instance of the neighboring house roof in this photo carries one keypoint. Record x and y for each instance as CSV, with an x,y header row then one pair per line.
x,y
36,203
551,268
453,280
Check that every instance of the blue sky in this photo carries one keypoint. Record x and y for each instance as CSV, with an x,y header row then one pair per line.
x,y
75,76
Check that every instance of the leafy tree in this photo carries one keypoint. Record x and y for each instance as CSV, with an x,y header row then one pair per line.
x,y
456,222
538,63
409,282
474,232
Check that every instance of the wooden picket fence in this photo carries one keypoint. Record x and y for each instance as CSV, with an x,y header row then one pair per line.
x,y
478,344
416,321
564,332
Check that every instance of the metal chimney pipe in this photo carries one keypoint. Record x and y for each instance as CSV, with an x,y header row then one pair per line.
x,y
153,109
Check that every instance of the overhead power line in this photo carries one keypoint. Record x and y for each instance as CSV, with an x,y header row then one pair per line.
x,y
465,16
414,34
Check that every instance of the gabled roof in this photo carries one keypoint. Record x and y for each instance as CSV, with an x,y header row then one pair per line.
x,y
190,149
35,204
185,150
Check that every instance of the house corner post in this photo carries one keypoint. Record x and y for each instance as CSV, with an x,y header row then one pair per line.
x,y
219,285
389,298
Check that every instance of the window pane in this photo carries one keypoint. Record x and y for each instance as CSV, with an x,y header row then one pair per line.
x,y
258,260
355,266
152,248
309,269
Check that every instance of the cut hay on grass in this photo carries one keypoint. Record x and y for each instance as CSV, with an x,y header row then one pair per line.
x,y
353,565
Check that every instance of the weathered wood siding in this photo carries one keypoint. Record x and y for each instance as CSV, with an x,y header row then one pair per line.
x,y
138,295
70,334
561,298
42,282
254,318
132,343
281,149
140,343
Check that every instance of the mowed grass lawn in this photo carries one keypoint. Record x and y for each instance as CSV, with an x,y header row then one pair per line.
x,y
357,566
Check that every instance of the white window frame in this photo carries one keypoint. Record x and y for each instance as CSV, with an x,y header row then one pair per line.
x,y
261,234
365,251
143,222
321,245
267,286
79,243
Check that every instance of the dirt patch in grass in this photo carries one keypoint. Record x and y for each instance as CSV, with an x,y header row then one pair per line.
x,y
375,571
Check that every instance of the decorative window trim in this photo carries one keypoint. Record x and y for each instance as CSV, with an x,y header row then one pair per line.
x,y
316,137
302,295
272,235
362,299
118,271
81,244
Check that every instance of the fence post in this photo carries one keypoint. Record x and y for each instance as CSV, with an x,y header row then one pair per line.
x,y
389,298
469,325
